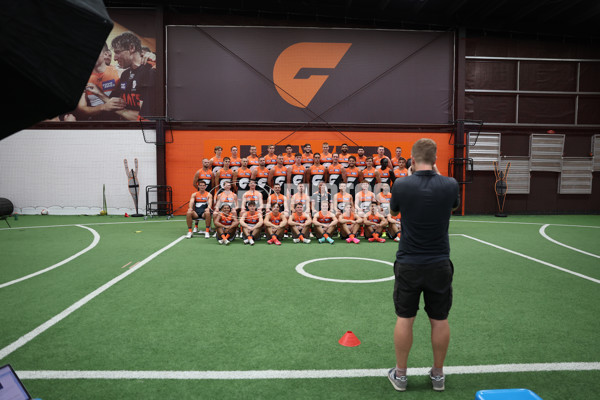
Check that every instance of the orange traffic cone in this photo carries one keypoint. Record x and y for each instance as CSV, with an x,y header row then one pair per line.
x,y
349,340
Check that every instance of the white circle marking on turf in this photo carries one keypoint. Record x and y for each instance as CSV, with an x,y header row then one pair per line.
x,y
301,271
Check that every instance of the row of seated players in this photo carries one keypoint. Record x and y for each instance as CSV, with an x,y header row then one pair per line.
x,y
374,170
325,214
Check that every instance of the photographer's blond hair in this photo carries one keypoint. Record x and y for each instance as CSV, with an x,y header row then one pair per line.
x,y
424,151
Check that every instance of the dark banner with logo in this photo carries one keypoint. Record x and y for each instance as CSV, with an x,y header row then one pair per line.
x,y
301,75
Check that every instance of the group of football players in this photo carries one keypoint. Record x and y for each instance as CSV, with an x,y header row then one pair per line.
x,y
299,195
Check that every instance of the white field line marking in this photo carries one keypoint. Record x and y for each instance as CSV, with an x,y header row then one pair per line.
x,y
521,223
75,306
301,271
90,224
63,262
545,235
534,259
305,374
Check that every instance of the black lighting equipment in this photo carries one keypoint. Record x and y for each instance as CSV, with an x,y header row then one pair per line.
x,y
49,49
6,209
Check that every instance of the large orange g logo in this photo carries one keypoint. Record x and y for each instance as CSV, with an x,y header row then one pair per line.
x,y
293,88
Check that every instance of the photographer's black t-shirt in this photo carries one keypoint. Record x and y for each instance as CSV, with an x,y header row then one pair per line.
x,y
425,199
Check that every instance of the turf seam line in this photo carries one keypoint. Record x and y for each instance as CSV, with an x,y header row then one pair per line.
x,y
63,262
546,236
23,340
523,223
535,259
90,224
306,374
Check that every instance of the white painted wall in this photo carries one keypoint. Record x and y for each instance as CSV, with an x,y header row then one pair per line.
x,y
63,170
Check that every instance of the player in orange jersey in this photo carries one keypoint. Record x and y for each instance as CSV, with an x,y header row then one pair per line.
x,y
226,197
386,174
252,195
394,228
374,223
343,155
301,197
251,223
252,158
300,223
105,79
401,171
278,173
296,174
379,156
325,223
278,198
223,175
199,207
241,179
349,224
288,156
383,198
260,174
217,161
370,174
226,224
205,174
364,199
336,173
307,156
275,223
397,157
326,156
340,199
353,176
270,157
236,161
316,173
361,159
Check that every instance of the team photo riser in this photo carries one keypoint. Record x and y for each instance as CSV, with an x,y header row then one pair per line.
x,y
310,193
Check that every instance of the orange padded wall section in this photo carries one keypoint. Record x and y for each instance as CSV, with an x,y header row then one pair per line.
x,y
184,155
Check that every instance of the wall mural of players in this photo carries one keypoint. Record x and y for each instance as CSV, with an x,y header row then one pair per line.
x,y
121,86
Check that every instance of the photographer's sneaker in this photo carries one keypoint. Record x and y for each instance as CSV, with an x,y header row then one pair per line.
x,y
398,382
437,382
189,235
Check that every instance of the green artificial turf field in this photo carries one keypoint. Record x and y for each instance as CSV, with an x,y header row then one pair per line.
x,y
128,309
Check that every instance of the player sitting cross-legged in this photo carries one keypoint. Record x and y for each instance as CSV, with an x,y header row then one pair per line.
x,y
251,223
275,223
300,223
226,224
325,223
374,223
349,223
199,208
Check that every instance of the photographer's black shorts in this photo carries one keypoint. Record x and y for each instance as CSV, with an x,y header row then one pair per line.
x,y
433,280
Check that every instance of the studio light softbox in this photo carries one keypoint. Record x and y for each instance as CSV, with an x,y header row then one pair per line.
x,y
48,50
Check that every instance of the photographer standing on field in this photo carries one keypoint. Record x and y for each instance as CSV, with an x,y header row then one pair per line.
x,y
425,199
